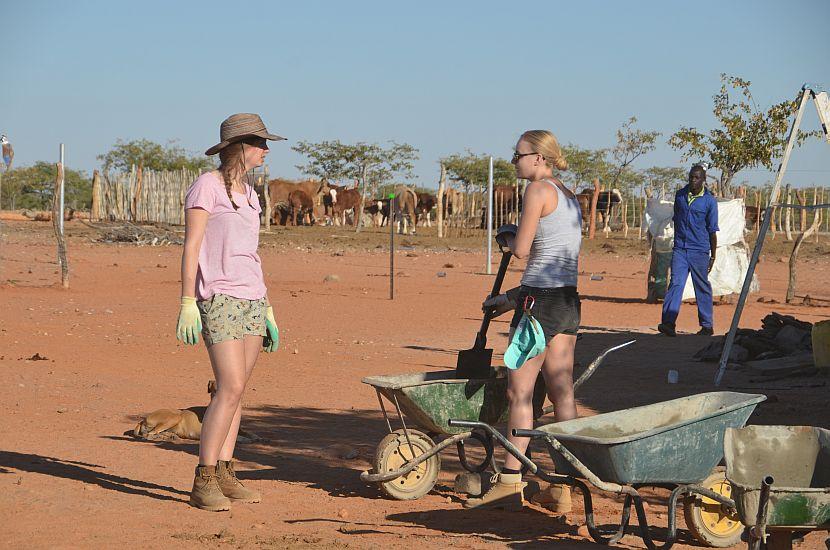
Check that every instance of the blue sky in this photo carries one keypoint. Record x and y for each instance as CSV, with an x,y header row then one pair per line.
x,y
442,76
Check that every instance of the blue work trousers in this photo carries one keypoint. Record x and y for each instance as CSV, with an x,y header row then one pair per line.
x,y
682,263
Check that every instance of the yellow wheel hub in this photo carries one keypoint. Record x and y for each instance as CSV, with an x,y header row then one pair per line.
x,y
714,515
400,456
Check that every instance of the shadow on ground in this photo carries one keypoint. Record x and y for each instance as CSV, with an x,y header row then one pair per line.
x,y
86,473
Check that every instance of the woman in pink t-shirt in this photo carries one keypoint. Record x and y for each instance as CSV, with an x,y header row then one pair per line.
x,y
224,298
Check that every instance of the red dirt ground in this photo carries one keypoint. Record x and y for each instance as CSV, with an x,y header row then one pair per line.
x,y
70,479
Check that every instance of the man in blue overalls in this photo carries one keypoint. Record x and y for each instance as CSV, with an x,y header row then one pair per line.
x,y
695,245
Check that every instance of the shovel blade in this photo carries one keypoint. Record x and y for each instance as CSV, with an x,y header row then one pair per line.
x,y
474,363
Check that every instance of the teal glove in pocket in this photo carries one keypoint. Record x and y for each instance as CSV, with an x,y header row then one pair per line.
x,y
528,340
271,341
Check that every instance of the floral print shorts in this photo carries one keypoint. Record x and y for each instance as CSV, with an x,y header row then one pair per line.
x,y
227,318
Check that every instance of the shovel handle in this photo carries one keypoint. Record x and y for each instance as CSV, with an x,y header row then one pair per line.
x,y
481,337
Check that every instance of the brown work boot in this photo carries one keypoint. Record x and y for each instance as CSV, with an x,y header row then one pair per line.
x,y
231,486
206,494
556,498
506,494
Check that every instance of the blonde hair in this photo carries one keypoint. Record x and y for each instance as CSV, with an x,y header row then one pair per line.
x,y
544,143
231,166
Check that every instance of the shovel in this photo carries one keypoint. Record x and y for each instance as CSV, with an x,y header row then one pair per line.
x,y
475,362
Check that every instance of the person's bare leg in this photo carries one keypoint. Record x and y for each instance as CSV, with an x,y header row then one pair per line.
x,y
228,361
558,372
520,384
252,345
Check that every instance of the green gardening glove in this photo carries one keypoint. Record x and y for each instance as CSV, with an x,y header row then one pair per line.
x,y
271,342
190,322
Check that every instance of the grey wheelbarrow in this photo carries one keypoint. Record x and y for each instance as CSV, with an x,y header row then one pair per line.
x,y
407,462
672,444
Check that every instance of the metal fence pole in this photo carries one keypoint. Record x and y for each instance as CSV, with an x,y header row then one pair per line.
x,y
391,246
759,243
489,215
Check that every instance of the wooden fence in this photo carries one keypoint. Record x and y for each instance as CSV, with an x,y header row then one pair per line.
x,y
141,195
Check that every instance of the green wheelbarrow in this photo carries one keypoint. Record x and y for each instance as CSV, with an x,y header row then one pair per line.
x,y
407,462
781,481
674,444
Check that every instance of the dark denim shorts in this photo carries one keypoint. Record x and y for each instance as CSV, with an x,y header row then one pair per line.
x,y
558,310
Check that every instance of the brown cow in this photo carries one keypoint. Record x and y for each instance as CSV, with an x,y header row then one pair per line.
x,y
300,203
378,210
347,199
405,203
584,199
453,202
279,189
426,202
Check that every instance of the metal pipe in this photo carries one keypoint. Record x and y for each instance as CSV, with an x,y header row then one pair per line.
x,y
759,242
412,464
757,534
405,430
595,364
804,206
490,216
385,416
499,437
391,249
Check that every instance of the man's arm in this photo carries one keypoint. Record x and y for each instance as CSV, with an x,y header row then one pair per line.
x,y
713,247
712,228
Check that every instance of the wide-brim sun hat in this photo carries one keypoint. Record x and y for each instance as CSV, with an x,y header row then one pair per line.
x,y
238,127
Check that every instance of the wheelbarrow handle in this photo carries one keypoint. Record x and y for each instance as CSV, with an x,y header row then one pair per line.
x,y
757,534
519,432
590,370
509,447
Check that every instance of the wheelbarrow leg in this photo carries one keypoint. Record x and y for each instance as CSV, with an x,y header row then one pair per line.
x,y
589,516
671,531
385,415
405,431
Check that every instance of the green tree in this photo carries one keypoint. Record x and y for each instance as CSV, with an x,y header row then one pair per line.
x,y
747,136
33,187
631,145
152,156
473,170
584,165
665,178
369,164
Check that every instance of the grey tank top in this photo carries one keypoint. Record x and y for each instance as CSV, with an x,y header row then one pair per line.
x,y
554,254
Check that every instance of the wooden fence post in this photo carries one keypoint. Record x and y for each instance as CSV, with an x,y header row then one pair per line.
x,y
800,239
95,210
625,219
592,217
266,190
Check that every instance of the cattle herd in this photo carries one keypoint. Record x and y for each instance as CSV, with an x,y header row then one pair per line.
x,y
320,202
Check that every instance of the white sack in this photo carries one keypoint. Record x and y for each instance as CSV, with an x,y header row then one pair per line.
x,y
732,260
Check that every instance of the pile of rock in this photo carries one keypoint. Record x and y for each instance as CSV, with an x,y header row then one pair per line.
x,y
780,336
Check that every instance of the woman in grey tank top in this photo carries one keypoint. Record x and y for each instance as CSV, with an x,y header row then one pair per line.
x,y
549,236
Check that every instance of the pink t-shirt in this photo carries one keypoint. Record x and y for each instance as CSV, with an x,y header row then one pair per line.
x,y
228,259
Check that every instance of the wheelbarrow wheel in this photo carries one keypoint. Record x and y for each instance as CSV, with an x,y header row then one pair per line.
x,y
394,451
709,522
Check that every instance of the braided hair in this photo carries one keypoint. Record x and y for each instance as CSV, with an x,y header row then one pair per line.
x,y
232,167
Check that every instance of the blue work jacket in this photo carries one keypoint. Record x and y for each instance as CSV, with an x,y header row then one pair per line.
x,y
693,223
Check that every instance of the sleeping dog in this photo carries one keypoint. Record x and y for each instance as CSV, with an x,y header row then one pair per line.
x,y
167,424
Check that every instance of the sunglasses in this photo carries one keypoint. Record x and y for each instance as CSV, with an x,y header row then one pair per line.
x,y
517,155
262,143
